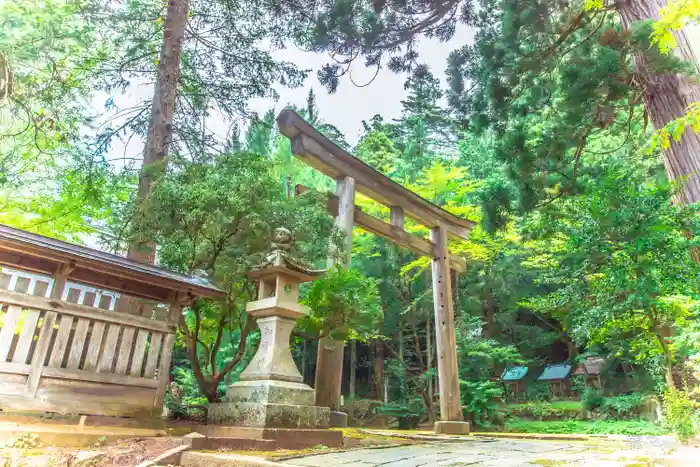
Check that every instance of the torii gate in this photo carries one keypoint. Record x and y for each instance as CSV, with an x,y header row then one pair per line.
x,y
351,175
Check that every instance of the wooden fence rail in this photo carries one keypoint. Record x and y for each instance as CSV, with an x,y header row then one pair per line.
x,y
66,357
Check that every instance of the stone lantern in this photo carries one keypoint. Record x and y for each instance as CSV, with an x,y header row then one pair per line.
x,y
271,392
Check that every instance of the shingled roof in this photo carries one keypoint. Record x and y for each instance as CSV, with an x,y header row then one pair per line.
x,y
44,255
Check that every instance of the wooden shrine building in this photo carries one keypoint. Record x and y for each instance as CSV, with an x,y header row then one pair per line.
x,y
513,380
557,375
86,332
352,175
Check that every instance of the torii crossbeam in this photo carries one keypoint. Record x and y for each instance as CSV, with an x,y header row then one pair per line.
x,y
351,174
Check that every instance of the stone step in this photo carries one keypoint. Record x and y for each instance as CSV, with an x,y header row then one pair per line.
x,y
284,438
237,444
207,459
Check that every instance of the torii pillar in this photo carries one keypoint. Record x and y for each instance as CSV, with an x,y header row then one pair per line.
x,y
445,340
329,363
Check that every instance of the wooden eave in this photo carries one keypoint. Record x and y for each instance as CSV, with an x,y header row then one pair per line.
x,y
44,255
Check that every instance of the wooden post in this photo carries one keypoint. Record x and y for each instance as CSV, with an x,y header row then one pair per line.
x,y
445,341
429,358
175,309
397,218
345,220
329,362
60,278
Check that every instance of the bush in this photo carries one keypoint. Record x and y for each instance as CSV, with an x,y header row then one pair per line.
x,y
480,400
560,410
183,399
539,391
403,409
607,427
678,414
591,399
578,384
623,406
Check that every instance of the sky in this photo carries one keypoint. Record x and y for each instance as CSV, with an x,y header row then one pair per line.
x,y
349,105
345,109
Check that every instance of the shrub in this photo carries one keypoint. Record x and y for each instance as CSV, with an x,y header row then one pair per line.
x,y
560,410
592,399
403,409
678,414
623,406
539,391
608,427
578,384
480,400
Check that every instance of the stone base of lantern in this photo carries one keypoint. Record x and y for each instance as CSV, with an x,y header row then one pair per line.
x,y
267,415
270,391
269,404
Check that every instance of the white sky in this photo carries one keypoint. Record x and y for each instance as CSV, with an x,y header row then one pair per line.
x,y
345,109
350,104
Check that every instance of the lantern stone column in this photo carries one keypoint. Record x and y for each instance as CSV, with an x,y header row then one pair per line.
x,y
271,392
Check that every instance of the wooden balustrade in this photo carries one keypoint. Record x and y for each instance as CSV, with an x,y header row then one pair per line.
x,y
53,353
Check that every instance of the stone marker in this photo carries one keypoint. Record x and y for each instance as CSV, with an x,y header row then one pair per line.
x,y
452,428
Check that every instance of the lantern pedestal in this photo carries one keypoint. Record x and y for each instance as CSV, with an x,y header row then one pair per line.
x,y
271,393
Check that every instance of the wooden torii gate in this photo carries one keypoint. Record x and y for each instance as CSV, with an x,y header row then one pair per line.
x,y
351,175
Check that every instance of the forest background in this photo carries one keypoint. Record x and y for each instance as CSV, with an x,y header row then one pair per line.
x,y
566,130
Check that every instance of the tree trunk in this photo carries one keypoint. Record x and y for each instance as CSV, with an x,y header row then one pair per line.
x,y
379,368
304,351
571,347
488,332
668,358
160,127
353,368
329,372
666,98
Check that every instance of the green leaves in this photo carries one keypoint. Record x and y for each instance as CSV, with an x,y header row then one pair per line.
x,y
622,272
344,305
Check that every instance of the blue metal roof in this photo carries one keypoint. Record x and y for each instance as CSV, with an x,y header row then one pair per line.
x,y
514,373
552,372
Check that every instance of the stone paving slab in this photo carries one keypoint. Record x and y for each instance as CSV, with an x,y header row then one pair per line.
x,y
491,453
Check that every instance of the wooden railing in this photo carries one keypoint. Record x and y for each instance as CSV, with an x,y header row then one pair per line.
x,y
97,359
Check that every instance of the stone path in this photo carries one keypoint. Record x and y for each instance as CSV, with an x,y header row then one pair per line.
x,y
497,453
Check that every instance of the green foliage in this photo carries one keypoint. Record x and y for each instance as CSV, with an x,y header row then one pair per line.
x,y
184,394
680,415
51,53
539,391
578,384
403,409
673,17
617,263
622,406
480,400
53,181
598,427
557,410
592,398
344,304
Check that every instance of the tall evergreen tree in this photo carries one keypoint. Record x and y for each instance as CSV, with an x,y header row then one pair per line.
x,y
523,47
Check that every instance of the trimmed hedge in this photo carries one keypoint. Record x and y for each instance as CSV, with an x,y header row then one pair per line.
x,y
558,410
